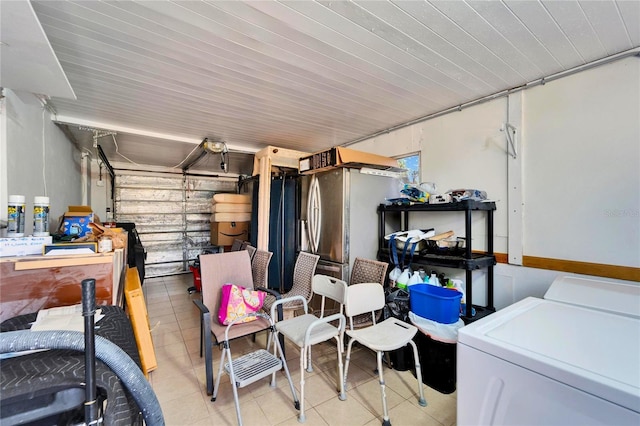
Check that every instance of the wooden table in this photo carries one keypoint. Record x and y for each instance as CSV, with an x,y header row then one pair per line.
x,y
31,283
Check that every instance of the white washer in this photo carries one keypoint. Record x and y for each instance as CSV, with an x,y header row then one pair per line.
x,y
572,358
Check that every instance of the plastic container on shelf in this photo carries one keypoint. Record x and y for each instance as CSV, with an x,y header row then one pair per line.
x,y
433,279
15,216
435,303
105,244
415,279
109,222
403,279
40,216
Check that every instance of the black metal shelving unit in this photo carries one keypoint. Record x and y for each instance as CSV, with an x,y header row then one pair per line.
x,y
469,260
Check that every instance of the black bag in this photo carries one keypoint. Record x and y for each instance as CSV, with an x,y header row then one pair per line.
x,y
397,305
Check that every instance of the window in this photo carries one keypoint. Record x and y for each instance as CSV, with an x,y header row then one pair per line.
x,y
411,163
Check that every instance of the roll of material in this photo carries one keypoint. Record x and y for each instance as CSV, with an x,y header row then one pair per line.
x,y
231,198
230,208
231,217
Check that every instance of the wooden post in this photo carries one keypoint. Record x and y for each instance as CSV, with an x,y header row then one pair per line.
x,y
264,197
264,160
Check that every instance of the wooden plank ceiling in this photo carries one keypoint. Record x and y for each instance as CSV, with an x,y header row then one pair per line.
x,y
305,75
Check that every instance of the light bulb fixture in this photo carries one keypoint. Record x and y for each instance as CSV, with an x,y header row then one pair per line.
x,y
218,147
215,147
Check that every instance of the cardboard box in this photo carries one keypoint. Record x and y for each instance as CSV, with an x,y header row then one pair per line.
x,y
140,320
76,221
23,246
344,157
223,233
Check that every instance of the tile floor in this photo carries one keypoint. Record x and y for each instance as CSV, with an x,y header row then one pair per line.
x,y
179,380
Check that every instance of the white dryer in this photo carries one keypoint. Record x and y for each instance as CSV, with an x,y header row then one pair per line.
x,y
572,358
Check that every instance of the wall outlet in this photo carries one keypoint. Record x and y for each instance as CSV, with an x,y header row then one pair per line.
x,y
100,183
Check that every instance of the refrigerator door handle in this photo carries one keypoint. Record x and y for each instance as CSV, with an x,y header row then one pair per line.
x,y
314,214
310,221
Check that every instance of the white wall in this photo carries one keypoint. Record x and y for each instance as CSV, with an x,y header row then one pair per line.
x,y
578,161
40,160
100,190
460,150
582,167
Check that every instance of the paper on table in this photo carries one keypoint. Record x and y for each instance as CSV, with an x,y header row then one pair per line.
x,y
66,252
62,318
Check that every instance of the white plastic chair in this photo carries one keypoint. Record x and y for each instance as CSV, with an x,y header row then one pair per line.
x,y
388,335
307,329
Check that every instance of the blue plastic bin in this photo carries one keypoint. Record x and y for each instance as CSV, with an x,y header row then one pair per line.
x,y
435,303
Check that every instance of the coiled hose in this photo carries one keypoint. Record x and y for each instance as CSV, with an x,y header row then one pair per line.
x,y
108,352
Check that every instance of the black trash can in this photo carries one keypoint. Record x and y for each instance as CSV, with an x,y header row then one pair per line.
x,y
402,359
437,362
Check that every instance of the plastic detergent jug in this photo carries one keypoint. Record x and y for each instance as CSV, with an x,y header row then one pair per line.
x,y
457,284
415,279
433,280
403,279
394,275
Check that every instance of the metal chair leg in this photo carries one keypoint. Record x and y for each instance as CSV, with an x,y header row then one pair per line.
x,y
280,348
342,396
234,386
421,400
208,351
201,333
346,364
217,384
385,413
303,360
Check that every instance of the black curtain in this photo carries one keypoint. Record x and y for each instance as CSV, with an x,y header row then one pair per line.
x,y
283,225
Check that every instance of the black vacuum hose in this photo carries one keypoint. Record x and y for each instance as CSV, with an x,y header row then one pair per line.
x,y
108,352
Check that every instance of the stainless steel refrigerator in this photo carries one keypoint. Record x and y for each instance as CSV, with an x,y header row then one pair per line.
x,y
339,219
